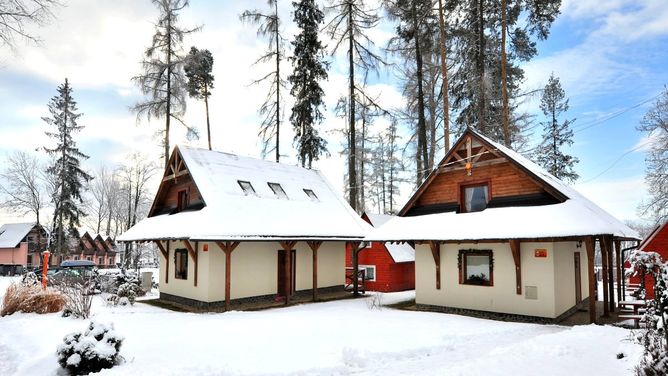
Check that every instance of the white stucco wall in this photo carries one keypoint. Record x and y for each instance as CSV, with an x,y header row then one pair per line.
x,y
553,276
254,270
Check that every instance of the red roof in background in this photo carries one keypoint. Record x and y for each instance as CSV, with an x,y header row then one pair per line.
x,y
656,241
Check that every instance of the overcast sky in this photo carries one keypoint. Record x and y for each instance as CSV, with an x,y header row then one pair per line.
x,y
611,57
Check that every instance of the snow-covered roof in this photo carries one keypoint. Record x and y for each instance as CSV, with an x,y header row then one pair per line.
x,y
11,234
401,252
576,216
230,214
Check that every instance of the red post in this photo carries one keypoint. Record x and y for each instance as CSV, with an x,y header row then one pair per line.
x,y
45,268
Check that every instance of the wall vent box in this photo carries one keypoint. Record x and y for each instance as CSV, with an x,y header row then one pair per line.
x,y
531,292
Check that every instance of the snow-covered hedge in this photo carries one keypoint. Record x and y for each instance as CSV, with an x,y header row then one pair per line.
x,y
91,351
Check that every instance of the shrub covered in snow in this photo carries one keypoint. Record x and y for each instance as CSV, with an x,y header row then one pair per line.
x,y
30,279
130,291
91,351
654,337
22,298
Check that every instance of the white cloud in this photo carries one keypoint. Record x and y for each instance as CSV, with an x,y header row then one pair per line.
x,y
620,197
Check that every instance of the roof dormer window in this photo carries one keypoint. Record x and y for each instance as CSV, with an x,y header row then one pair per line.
x,y
311,194
278,190
247,187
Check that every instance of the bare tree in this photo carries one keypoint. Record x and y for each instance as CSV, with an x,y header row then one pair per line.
x,y
655,124
24,187
17,15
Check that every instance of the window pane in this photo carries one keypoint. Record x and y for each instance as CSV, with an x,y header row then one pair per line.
x,y
278,190
475,198
477,268
370,273
247,187
311,194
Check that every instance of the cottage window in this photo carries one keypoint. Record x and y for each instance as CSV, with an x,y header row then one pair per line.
x,y
89,258
369,272
278,190
76,258
476,267
311,194
247,187
475,198
182,202
100,260
111,261
181,264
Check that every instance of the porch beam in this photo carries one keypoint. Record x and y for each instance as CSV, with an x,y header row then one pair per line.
x,y
619,267
165,253
589,245
193,253
287,247
604,262
315,245
436,254
515,249
227,247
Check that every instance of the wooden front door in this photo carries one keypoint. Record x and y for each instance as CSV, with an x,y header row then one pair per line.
x,y
286,275
578,281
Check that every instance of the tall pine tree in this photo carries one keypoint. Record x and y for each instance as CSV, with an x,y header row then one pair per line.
x,y
309,69
269,24
199,64
556,134
162,78
66,172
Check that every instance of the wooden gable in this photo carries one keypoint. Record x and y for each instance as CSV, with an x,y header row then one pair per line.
x,y
178,190
657,241
87,243
473,161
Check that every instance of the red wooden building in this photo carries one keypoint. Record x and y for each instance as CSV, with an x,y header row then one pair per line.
x,y
387,267
656,241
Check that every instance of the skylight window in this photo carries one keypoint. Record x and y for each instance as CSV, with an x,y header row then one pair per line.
x,y
311,194
278,190
247,187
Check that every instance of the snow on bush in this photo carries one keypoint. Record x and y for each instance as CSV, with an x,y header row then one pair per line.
x,y
129,291
654,337
91,351
22,298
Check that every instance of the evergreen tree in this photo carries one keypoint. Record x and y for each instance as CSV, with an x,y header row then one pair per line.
x,y
163,79
655,124
199,64
556,135
349,27
269,27
309,69
65,171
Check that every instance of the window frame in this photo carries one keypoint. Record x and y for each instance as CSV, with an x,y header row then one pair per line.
x,y
282,195
183,254
250,185
462,266
182,200
365,267
311,194
462,194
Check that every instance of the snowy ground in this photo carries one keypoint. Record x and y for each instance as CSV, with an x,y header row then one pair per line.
x,y
333,338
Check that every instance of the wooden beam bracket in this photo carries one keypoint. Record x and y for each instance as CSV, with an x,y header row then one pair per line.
x,y
515,249
436,254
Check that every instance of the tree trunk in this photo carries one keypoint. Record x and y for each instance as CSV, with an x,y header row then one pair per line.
x,y
169,86
206,105
504,79
352,176
481,65
422,131
278,83
444,76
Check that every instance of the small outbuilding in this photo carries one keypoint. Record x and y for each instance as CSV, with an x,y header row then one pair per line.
x,y
233,230
656,241
496,234
387,267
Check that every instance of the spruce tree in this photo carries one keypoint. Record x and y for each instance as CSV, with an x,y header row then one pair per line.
x,y
162,78
65,172
309,68
198,66
556,134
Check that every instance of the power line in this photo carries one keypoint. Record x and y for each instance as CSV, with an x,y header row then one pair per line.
x,y
617,161
585,126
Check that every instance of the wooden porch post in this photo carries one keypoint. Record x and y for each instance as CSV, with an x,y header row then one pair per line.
x,y
193,253
227,247
288,246
611,279
589,244
165,253
436,253
619,266
604,263
354,249
515,249
314,245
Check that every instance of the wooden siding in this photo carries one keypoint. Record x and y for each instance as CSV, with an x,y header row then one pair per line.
x,y
504,180
169,194
390,276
